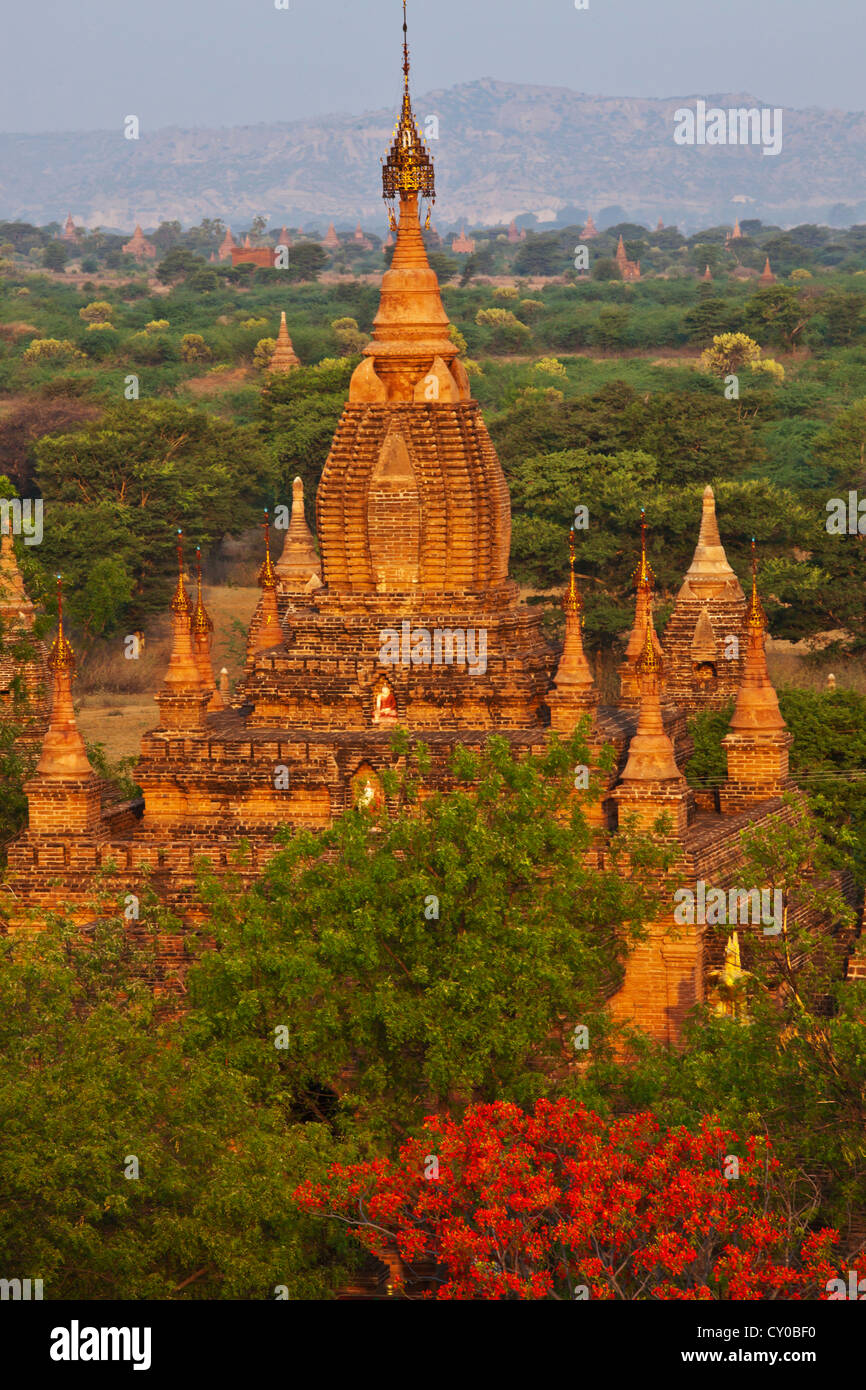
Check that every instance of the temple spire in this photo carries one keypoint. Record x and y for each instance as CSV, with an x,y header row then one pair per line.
x,y
201,627
182,673
574,689
268,631
650,753
63,752
182,699
283,358
643,580
758,742
299,562
411,356
709,574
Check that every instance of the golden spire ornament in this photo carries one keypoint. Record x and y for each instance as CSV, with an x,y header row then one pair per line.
x,y
202,626
757,616
269,632
180,603
572,603
267,573
649,662
644,576
61,657
408,168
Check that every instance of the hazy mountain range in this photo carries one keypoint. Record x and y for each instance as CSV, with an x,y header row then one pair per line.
x,y
503,150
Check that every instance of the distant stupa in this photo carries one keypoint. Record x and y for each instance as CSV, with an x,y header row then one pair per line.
x,y
766,277
462,244
284,357
139,247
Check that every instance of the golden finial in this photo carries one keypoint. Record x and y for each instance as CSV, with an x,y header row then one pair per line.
x,y
201,622
649,662
180,602
267,573
644,576
408,168
61,656
757,616
573,603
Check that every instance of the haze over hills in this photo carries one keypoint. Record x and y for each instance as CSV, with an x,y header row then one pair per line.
x,y
504,149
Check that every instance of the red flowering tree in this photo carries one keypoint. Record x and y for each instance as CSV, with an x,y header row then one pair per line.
x,y
563,1204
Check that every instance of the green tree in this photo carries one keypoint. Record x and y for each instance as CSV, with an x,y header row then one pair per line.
x,y
55,256
122,486
439,952
299,412
709,317
177,264
133,1165
606,268
776,315
307,260
541,255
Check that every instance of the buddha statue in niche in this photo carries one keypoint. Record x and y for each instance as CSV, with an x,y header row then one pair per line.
x,y
384,705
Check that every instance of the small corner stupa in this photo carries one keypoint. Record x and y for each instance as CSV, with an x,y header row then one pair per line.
x,y
574,694
758,741
706,634
299,562
65,793
643,581
202,629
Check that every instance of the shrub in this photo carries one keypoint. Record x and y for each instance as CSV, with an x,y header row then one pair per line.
x,y
99,311
53,350
193,348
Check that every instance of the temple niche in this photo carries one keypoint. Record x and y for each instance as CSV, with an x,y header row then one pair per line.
x,y
400,613
367,791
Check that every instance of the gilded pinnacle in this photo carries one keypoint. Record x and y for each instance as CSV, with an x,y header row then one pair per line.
x,y
180,603
757,616
573,603
267,573
649,662
202,625
408,168
61,657
644,576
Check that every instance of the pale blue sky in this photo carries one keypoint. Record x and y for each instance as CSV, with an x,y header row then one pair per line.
x,y
84,65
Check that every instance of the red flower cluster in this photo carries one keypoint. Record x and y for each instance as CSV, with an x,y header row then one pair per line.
x,y
563,1204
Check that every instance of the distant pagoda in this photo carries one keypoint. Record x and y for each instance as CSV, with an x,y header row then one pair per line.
x,y
284,358
139,247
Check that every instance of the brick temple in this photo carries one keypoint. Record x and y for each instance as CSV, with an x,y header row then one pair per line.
x,y
404,616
